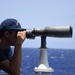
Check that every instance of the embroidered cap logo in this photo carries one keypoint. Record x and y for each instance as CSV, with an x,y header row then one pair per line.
x,y
17,23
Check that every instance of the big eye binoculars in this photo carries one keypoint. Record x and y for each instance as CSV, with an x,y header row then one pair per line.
x,y
52,31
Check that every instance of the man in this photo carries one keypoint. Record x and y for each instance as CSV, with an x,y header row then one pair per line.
x,y
11,34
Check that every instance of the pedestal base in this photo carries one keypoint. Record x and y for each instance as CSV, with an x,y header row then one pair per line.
x,y
43,68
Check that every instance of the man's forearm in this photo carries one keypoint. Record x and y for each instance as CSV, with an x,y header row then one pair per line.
x,y
17,58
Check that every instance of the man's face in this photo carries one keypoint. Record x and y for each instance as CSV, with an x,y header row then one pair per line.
x,y
12,38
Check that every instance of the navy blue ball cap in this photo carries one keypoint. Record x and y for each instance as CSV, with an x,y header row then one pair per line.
x,y
11,24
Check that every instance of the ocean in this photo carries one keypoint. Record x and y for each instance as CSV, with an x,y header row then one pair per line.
x,y
61,60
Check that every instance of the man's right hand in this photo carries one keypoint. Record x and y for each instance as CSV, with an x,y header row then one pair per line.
x,y
21,35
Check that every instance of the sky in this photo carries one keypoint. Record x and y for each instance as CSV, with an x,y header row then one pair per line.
x,y
39,14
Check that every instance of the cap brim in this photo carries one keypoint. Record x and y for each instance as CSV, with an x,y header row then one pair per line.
x,y
20,29
17,29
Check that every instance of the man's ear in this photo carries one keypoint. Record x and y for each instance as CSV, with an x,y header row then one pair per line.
x,y
6,34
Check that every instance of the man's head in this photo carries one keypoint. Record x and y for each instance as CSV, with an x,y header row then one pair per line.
x,y
10,25
8,30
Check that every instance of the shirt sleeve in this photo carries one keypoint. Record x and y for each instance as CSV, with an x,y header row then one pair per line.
x,y
8,53
2,57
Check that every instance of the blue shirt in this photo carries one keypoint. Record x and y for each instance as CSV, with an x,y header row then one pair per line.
x,y
5,54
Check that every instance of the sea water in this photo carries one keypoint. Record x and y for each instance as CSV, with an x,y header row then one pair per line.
x,y
61,60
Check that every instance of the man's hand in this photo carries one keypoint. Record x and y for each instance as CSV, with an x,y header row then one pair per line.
x,y
21,35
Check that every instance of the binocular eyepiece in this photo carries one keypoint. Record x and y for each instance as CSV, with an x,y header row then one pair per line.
x,y
53,31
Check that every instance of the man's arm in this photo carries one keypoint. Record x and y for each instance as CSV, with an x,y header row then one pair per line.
x,y
13,67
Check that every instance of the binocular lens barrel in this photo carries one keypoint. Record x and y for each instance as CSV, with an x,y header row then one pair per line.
x,y
53,31
60,31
